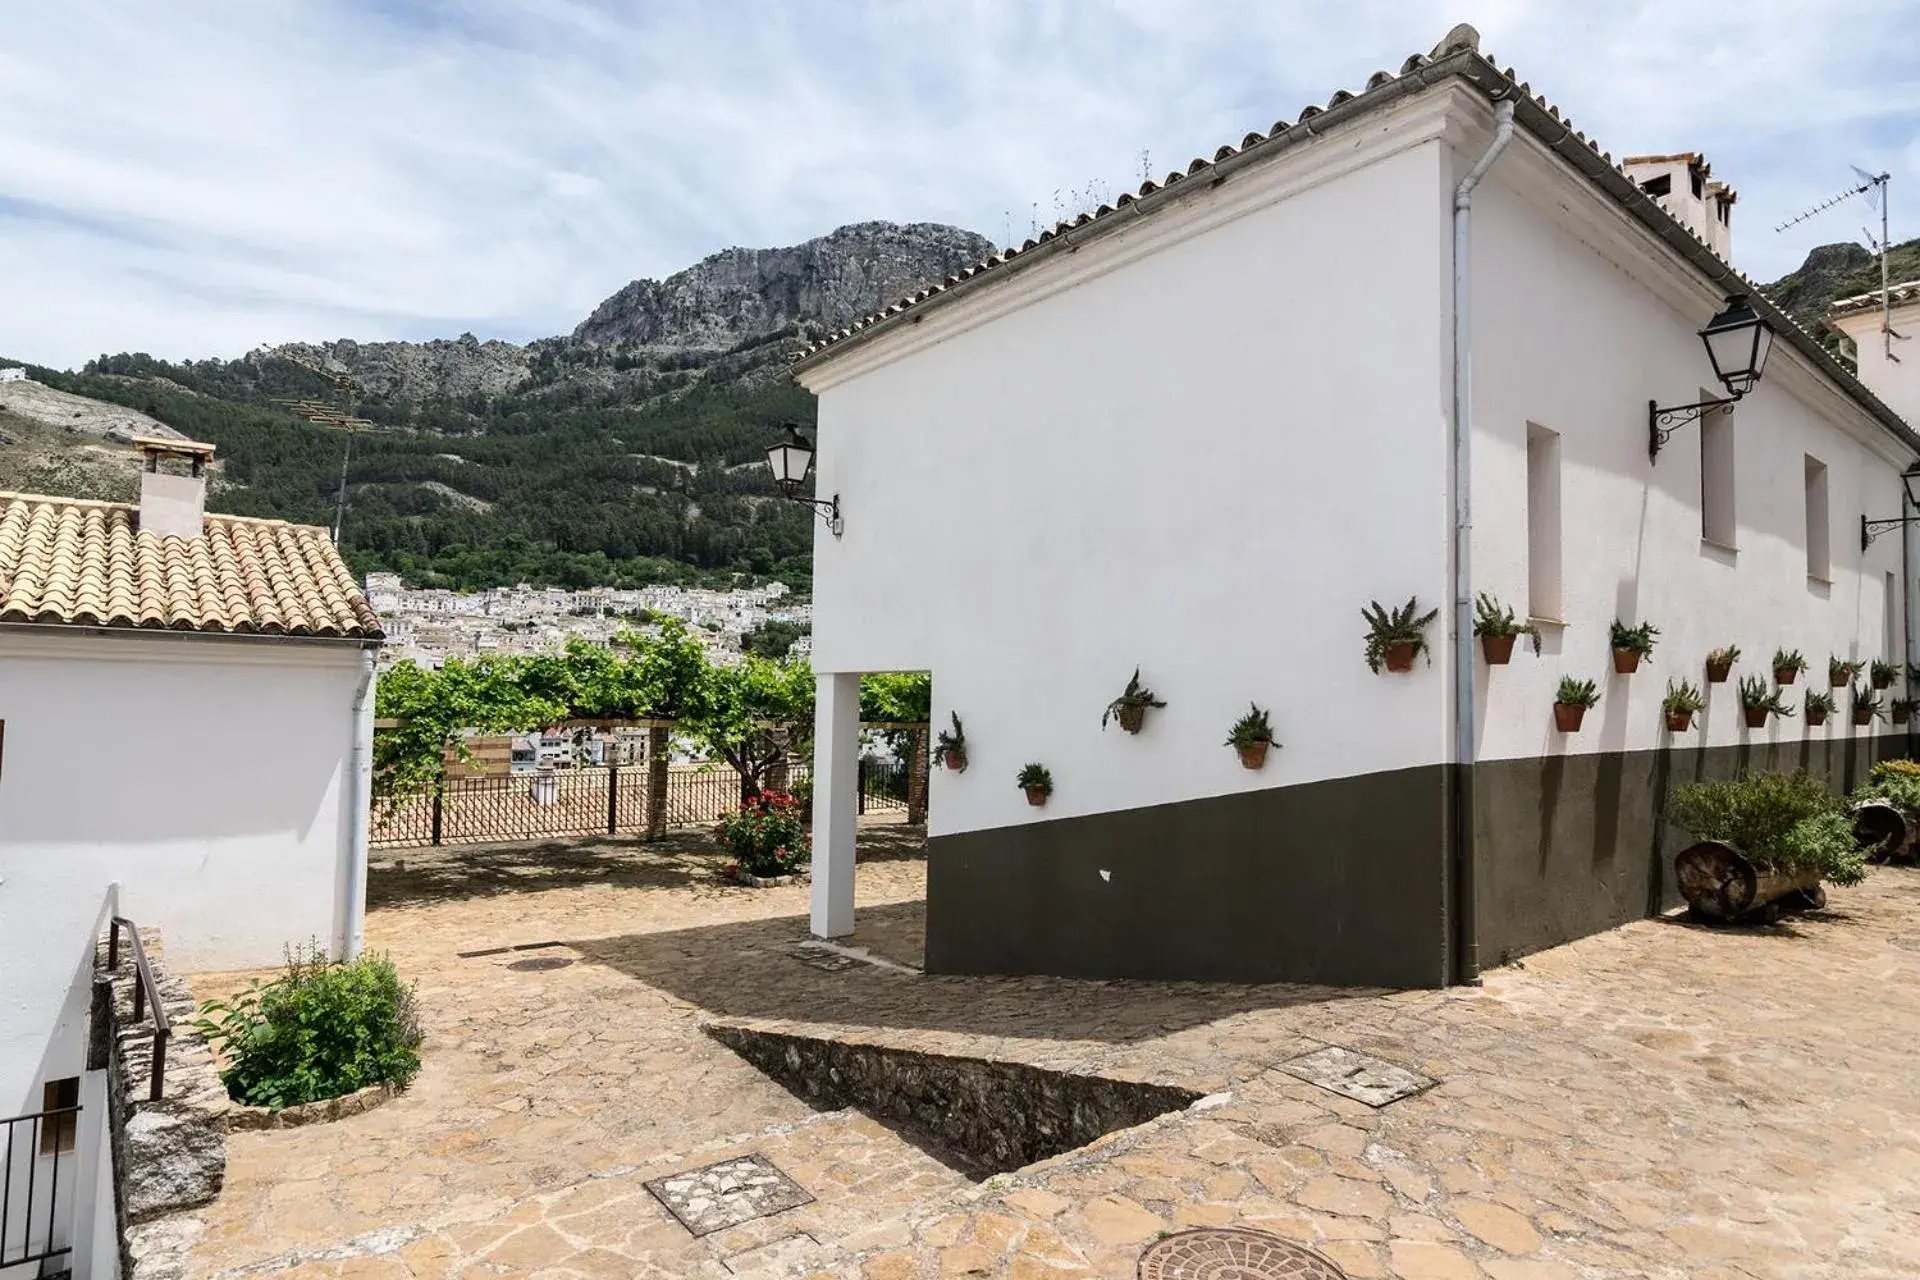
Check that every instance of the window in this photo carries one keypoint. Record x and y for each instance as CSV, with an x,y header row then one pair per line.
x,y
57,1132
1819,527
1543,522
1660,186
1717,521
1699,179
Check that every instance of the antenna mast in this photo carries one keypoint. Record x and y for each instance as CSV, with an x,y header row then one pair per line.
x,y
1874,188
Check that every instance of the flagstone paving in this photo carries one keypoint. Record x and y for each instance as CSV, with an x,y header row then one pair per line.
x,y
1661,1101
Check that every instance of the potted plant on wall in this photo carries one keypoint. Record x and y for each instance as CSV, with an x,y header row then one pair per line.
x,y
1394,638
1720,663
1819,707
1763,839
1787,664
1497,628
1882,673
1866,704
1630,645
952,747
1758,702
1037,781
1252,737
1571,701
1840,674
1130,708
1903,709
1681,704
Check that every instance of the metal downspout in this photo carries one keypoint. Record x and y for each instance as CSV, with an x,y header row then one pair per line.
x,y
1466,939
359,812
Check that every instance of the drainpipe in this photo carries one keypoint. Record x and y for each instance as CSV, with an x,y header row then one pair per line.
x,y
359,812
1466,940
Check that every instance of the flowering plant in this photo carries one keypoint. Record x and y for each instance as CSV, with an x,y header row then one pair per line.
x,y
766,835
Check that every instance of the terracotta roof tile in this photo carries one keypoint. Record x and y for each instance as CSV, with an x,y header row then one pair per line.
x,y
64,560
1902,294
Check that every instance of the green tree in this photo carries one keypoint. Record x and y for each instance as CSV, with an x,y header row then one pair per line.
x,y
754,714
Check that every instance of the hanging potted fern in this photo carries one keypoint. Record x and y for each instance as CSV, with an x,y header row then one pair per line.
x,y
1631,645
1252,736
1394,638
1787,664
952,747
1882,673
1758,702
1903,709
1571,701
1037,781
1840,674
1720,663
1130,708
1819,707
1681,704
1497,628
1866,704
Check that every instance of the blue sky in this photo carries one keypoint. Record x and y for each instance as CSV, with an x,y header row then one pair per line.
x,y
249,171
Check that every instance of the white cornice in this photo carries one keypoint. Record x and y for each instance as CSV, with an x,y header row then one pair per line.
x,y
110,644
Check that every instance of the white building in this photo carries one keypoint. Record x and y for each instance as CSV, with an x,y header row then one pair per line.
x,y
1197,432
13,373
187,712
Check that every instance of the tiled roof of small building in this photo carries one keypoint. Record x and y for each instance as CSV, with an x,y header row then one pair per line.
x,y
75,562
1901,295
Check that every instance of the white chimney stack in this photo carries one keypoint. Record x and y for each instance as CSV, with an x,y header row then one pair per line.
x,y
1683,185
173,486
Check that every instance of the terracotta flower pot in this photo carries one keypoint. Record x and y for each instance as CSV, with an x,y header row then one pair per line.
x,y
1567,716
1756,717
1625,662
954,761
1254,754
1841,681
1498,649
1400,656
1785,675
1132,717
1816,718
1717,672
1902,716
1679,721
1863,715
1882,681
1037,796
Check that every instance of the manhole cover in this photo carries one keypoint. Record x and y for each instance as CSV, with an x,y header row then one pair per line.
x,y
819,958
1233,1253
1359,1076
540,963
727,1194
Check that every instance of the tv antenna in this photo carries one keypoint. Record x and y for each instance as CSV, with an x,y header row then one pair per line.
x,y
1874,188
323,414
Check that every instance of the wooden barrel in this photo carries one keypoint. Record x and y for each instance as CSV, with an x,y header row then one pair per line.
x,y
1721,883
1881,828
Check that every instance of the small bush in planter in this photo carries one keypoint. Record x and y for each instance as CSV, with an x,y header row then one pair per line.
x,y
766,836
1882,673
1130,708
1787,664
1788,821
1758,702
1631,645
1895,781
1037,781
1252,736
1840,674
1394,638
1497,628
952,747
1681,704
321,1030
1720,663
1819,707
1866,704
1903,709
1571,702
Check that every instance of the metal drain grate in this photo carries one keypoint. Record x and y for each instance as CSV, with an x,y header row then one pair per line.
x,y
1359,1076
727,1194
1234,1253
539,964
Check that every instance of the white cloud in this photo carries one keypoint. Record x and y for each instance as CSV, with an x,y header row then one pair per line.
x,y
243,171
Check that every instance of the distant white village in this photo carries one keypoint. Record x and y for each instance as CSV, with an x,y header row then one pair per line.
x,y
429,626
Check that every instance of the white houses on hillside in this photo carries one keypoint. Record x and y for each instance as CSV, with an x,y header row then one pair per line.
x,y
1402,348
186,703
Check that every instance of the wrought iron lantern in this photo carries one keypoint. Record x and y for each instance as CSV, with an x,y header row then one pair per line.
x,y
1738,342
790,460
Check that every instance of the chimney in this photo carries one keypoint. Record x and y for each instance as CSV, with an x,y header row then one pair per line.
x,y
1683,185
173,486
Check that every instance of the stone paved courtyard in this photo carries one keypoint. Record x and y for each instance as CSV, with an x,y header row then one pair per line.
x,y
1663,1100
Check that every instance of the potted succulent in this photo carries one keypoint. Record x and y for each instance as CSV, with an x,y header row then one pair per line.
x,y
1130,708
1497,628
1819,707
1394,638
1681,704
1251,736
1763,838
1787,664
1886,810
1037,781
952,747
1866,704
1840,674
1571,701
1758,702
1720,663
1903,709
1630,645
1882,673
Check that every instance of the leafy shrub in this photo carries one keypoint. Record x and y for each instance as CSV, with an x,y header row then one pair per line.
x,y
320,1030
1788,821
765,835
1896,781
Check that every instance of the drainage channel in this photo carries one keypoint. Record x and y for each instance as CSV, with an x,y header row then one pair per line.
x,y
975,1116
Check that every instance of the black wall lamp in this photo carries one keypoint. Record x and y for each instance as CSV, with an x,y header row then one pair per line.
x,y
1871,529
791,459
1738,341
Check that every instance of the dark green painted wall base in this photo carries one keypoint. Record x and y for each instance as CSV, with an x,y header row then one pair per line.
x,y
1339,882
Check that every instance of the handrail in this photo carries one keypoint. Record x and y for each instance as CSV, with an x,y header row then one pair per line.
x,y
144,992
65,1125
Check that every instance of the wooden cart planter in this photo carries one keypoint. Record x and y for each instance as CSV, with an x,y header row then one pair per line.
x,y
1886,830
1721,883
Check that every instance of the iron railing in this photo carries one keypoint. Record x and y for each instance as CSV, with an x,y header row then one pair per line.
x,y
145,993
48,1135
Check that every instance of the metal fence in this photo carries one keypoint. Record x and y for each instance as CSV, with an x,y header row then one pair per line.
x,y
34,1187
590,801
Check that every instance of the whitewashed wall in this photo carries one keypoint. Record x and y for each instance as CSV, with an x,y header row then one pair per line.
x,y
1200,460
1576,328
1897,381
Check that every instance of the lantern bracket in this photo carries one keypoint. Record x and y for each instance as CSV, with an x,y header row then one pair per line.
x,y
828,509
1871,529
1662,423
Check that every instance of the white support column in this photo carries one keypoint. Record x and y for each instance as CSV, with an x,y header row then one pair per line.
x,y
836,798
